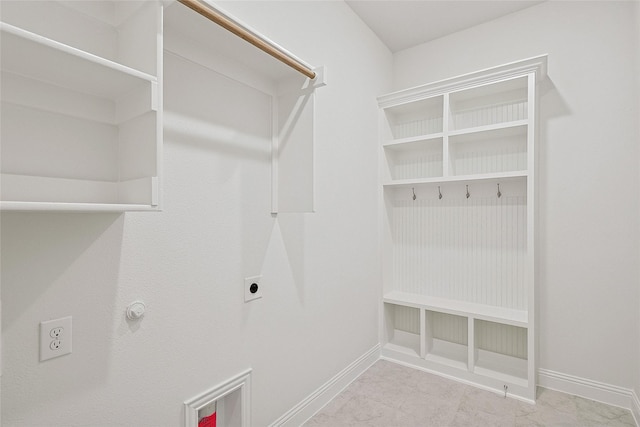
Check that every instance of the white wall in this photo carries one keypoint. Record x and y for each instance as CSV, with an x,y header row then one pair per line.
x,y
589,238
320,271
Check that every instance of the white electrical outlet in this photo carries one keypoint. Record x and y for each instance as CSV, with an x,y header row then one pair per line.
x,y
55,338
252,288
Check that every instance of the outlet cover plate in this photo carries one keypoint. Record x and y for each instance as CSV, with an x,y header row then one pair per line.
x,y
248,283
55,338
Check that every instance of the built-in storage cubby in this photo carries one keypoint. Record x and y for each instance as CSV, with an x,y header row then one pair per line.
x,y
402,328
414,160
501,351
81,105
489,151
459,226
416,119
494,104
446,339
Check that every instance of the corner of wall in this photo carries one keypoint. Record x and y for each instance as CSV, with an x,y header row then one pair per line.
x,y
309,406
636,394
635,410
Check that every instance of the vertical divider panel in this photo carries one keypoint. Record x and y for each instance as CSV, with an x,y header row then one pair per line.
x,y
530,276
446,118
428,334
471,343
423,333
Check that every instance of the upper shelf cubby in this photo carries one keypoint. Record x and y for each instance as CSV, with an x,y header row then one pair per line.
x,y
493,104
81,105
125,32
416,119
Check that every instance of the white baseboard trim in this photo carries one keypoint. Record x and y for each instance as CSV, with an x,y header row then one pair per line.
x,y
309,406
594,390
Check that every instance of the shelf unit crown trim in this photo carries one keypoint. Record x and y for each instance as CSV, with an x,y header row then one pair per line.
x,y
537,64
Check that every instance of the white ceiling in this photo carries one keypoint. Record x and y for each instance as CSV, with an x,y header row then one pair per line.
x,y
401,24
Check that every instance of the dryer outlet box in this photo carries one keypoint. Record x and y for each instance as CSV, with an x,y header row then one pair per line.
x,y
252,288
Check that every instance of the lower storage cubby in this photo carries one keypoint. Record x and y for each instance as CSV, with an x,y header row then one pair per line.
x,y
446,339
402,329
482,345
501,352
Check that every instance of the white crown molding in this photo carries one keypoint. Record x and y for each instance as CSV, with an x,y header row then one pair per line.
x,y
536,64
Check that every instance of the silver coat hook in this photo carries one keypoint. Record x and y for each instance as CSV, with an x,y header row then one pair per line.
x,y
439,193
499,193
468,195
414,193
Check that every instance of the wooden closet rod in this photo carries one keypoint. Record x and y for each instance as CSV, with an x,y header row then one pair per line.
x,y
210,13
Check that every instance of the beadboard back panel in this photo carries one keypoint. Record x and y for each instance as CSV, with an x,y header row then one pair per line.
x,y
448,327
470,249
498,151
423,163
503,339
406,319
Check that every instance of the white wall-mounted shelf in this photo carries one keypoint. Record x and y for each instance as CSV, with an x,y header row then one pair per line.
x,y
81,106
496,314
491,177
412,141
458,226
518,126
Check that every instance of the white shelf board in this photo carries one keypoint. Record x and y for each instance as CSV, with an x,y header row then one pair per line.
x,y
507,316
72,207
516,127
458,178
41,193
42,59
413,141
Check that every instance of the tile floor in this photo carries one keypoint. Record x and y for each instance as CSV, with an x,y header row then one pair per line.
x,y
392,395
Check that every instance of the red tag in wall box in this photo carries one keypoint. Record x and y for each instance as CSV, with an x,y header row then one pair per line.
x,y
209,421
